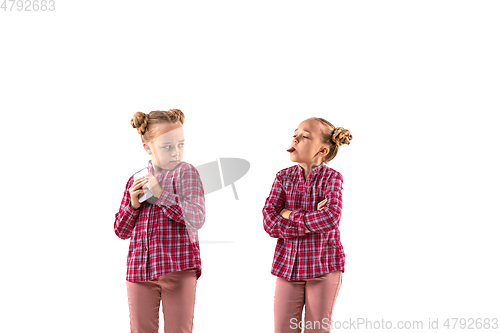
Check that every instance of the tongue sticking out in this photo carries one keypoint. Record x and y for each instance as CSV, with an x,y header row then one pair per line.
x,y
290,150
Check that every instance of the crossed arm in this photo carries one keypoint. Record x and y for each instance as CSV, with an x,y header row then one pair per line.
x,y
284,223
286,212
187,205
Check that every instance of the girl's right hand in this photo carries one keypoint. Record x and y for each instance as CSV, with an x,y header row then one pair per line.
x,y
135,190
322,204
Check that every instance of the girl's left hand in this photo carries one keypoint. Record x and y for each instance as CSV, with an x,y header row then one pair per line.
x,y
153,185
285,213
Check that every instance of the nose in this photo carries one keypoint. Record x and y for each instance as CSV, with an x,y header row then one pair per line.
x,y
175,151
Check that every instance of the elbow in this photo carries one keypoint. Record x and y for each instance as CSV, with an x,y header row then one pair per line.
x,y
272,234
270,230
192,215
334,222
121,234
269,211
195,218
336,217
198,222
328,224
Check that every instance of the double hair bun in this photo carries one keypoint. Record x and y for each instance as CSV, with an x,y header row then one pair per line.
x,y
141,119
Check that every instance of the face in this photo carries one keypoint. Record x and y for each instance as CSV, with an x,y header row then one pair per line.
x,y
169,146
307,143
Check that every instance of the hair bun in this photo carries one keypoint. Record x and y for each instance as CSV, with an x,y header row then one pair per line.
x,y
178,114
341,136
140,121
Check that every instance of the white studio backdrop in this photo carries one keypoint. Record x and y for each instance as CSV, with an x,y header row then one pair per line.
x,y
416,83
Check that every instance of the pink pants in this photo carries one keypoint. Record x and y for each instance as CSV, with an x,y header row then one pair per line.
x,y
317,294
175,290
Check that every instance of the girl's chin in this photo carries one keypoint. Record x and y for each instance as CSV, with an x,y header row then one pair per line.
x,y
172,165
169,165
297,160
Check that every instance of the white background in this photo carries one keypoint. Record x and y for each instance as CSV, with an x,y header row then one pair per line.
x,y
416,83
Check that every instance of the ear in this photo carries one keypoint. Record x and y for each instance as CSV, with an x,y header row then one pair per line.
x,y
147,148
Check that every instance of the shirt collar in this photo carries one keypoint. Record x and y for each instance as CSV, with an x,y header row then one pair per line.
x,y
314,170
150,167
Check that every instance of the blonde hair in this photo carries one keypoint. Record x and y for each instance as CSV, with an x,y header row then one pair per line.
x,y
334,137
145,123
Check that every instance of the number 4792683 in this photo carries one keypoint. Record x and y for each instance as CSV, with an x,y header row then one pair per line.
x,y
28,5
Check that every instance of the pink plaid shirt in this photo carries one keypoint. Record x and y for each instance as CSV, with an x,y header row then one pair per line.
x,y
163,231
300,255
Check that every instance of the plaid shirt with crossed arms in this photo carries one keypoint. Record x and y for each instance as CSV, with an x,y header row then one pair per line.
x,y
300,255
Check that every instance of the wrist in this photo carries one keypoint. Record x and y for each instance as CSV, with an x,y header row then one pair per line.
x,y
157,190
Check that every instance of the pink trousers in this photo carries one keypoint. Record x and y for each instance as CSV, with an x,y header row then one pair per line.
x,y
175,290
317,294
